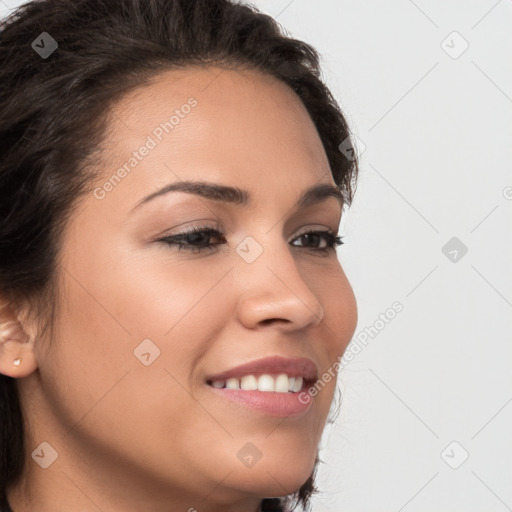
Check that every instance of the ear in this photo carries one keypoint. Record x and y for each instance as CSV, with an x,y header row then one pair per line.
x,y
17,357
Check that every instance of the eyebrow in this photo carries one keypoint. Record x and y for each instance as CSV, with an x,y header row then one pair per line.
x,y
238,196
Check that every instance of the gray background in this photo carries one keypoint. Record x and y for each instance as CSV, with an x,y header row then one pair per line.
x,y
427,403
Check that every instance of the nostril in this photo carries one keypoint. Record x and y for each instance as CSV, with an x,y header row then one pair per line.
x,y
270,320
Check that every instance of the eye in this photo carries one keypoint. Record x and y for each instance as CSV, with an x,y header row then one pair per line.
x,y
196,239
193,239
331,240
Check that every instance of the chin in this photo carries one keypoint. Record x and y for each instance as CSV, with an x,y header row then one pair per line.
x,y
274,478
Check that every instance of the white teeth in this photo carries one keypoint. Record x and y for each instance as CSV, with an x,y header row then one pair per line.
x,y
266,383
232,383
279,383
297,385
249,383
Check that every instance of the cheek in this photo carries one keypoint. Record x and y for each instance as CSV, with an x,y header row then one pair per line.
x,y
157,294
340,319
158,309
105,394
340,311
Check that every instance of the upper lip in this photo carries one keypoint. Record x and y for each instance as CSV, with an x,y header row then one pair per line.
x,y
294,367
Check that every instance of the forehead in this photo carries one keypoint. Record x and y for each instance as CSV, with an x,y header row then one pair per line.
x,y
244,109
217,90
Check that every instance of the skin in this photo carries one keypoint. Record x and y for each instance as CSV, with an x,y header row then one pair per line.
x,y
131,437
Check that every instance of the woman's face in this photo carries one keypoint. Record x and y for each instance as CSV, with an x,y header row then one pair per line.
x,y
124,390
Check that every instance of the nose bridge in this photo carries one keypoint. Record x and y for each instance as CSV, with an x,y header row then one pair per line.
x,y
271,285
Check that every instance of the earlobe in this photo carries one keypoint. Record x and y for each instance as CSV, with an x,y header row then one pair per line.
x,y
17,358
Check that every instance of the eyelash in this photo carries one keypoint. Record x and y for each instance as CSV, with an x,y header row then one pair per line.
x,y
332,240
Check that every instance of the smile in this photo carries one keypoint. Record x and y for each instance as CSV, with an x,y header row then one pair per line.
x,y
275,386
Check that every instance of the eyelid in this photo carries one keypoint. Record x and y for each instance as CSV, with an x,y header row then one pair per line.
x,y
313,227
222,228
196,224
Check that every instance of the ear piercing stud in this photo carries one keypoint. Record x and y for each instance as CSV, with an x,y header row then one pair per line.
x,y
17,361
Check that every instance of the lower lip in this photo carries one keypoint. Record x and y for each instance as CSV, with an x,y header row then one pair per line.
x,y
268,402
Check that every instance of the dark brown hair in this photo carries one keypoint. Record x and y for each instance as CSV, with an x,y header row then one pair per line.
x,y
53,116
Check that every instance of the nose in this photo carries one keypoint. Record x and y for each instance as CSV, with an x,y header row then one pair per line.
x,y
272,290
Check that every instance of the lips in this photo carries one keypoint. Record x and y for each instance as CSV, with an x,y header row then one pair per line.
x,y
293,367
274,386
